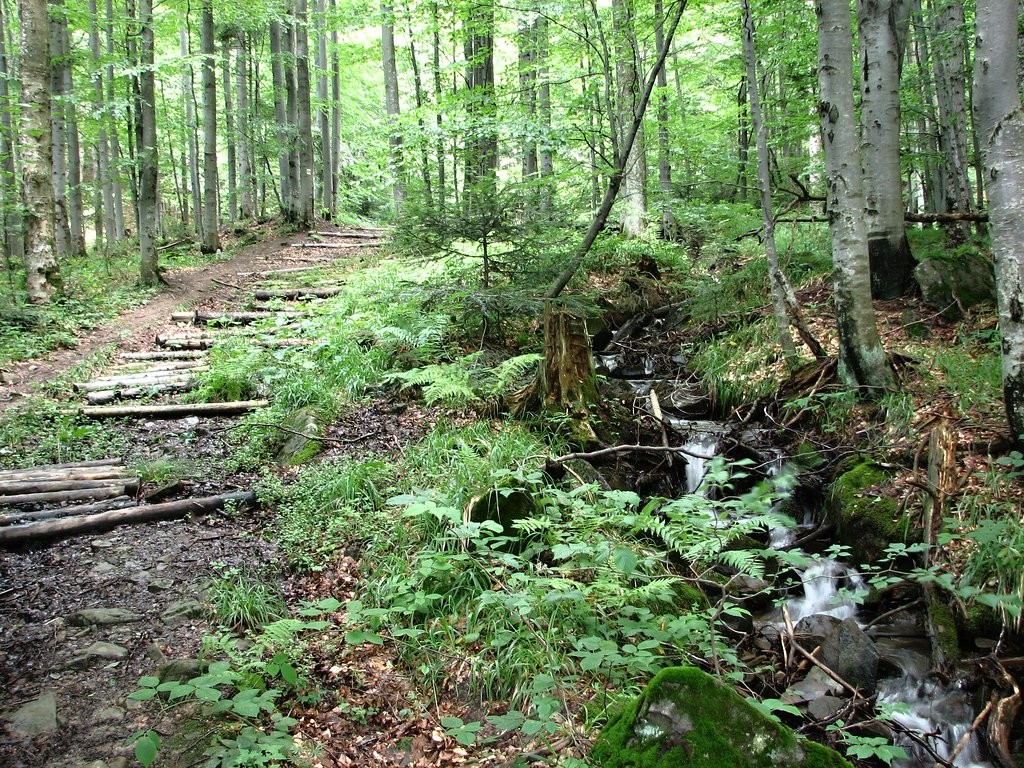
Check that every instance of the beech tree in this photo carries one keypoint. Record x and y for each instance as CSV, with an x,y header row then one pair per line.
x,y
211,235
1000,120
862,360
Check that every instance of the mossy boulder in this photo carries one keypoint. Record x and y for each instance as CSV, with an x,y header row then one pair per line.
x,y
300,443
688,719
867,520
955,283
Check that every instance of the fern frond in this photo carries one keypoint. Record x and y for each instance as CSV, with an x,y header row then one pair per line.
x,y
743,560
510,373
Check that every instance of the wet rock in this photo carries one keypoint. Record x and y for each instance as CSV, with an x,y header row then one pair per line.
x,y
180,670
815,685
849,652
825,707
812,630
688,718
36,718
103,617
181,611
867,519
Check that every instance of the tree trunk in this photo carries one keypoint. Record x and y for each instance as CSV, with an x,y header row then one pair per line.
x,y
58,153
245,171
76,212
547,155
307,216
207,43
435,30
191,174
949,60
42,275
633,191
229,131
1000,121
527,42
277,53
428,187
13,248
669,227
148,158
482,143
105,204
292,106
391,105
324,113
883,33
862,360
335,116
776,279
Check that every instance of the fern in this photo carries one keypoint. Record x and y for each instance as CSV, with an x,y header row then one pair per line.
x,y
511,373
449,383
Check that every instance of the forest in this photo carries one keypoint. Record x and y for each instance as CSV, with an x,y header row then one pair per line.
x,y
612,383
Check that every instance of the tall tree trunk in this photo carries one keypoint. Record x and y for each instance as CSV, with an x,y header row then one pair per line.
x,y
435,30
292,104
207,43
58,154
12,245
324,112
105,208
307,216
335,116
527,42
191,174
950,60
229,130
669,227
76,211
633,192
245,171
739,191
391,105
776,279
1000,121
482,144
147,155
428,187
932,178
277,53
862,360
883,34
42,274
547,155
116,189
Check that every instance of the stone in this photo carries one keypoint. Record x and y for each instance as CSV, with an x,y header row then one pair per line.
x,y
103,567
298,449
686,718
867,519
97,764
36,718
180,670
825,707
955,284
108,715
812,630
159,584
849,652
108,651
103,617
816,684
181,611
101,544
155,653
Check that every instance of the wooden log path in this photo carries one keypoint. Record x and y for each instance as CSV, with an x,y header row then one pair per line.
x,y
239,318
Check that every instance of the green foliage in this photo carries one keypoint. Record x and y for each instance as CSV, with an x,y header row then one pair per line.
x,y
41,431
867,747
469,380
330,506
244,599
738,366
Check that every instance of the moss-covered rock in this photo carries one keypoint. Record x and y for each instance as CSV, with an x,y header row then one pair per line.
x,y
867,520
956,283
300,443
688,719
943,626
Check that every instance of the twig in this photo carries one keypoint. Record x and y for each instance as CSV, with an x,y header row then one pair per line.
x,y
225,283
333,440
969,732
626,449
899,609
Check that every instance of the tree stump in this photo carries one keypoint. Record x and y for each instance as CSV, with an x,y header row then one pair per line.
x,y
568,382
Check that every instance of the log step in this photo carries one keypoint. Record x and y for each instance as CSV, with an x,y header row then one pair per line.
x,y
104,396
55,497
171,410
50,513
240,318
142,380
163,354
324,292
48,530
59,468
142,367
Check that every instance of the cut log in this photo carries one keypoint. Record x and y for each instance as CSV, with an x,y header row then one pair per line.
x,y
104,396
282,271
297,293
162,354
171,410
9,488
173,365
370,234
71,473
241,318
56,497
104,521
186,342
115,462
140,380
339,246
118,502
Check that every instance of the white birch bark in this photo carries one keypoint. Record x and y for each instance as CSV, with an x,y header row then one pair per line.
x,y
1000,121
862,360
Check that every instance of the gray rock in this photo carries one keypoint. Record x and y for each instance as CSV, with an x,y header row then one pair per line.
x,y
36,718
824,707
811,631
180,670
96,764
849,652
159,584
298,449
181,611
953,285
103,567
120,762
101,544
103,617
108,651
156,653
108,715
813,686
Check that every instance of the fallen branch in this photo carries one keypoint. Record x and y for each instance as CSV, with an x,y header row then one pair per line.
x,y
370,234
118,502
242,318
69,465
626,449
172,410
104,521
297,433
14,488
339,246
297,293
155,379
969,732
814,659
105,492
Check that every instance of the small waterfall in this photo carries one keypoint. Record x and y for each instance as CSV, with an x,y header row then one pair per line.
x,y
697,446
823,583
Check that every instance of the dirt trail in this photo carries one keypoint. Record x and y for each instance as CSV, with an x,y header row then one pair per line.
x,y
83,619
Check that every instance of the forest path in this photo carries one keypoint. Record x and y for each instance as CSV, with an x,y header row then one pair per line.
x,y
83,619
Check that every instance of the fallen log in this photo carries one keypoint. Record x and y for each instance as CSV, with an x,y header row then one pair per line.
x,y
186,343
171,410
242,318
69,465
104,396
104,521
56,497
162,354
297,293
118,502
339,246
141,380
72,473
173,365
371,234
282,271
9,488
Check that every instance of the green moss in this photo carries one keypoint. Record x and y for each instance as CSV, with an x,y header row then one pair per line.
x,y
807,456
982,621
688,719
944,625
867,521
